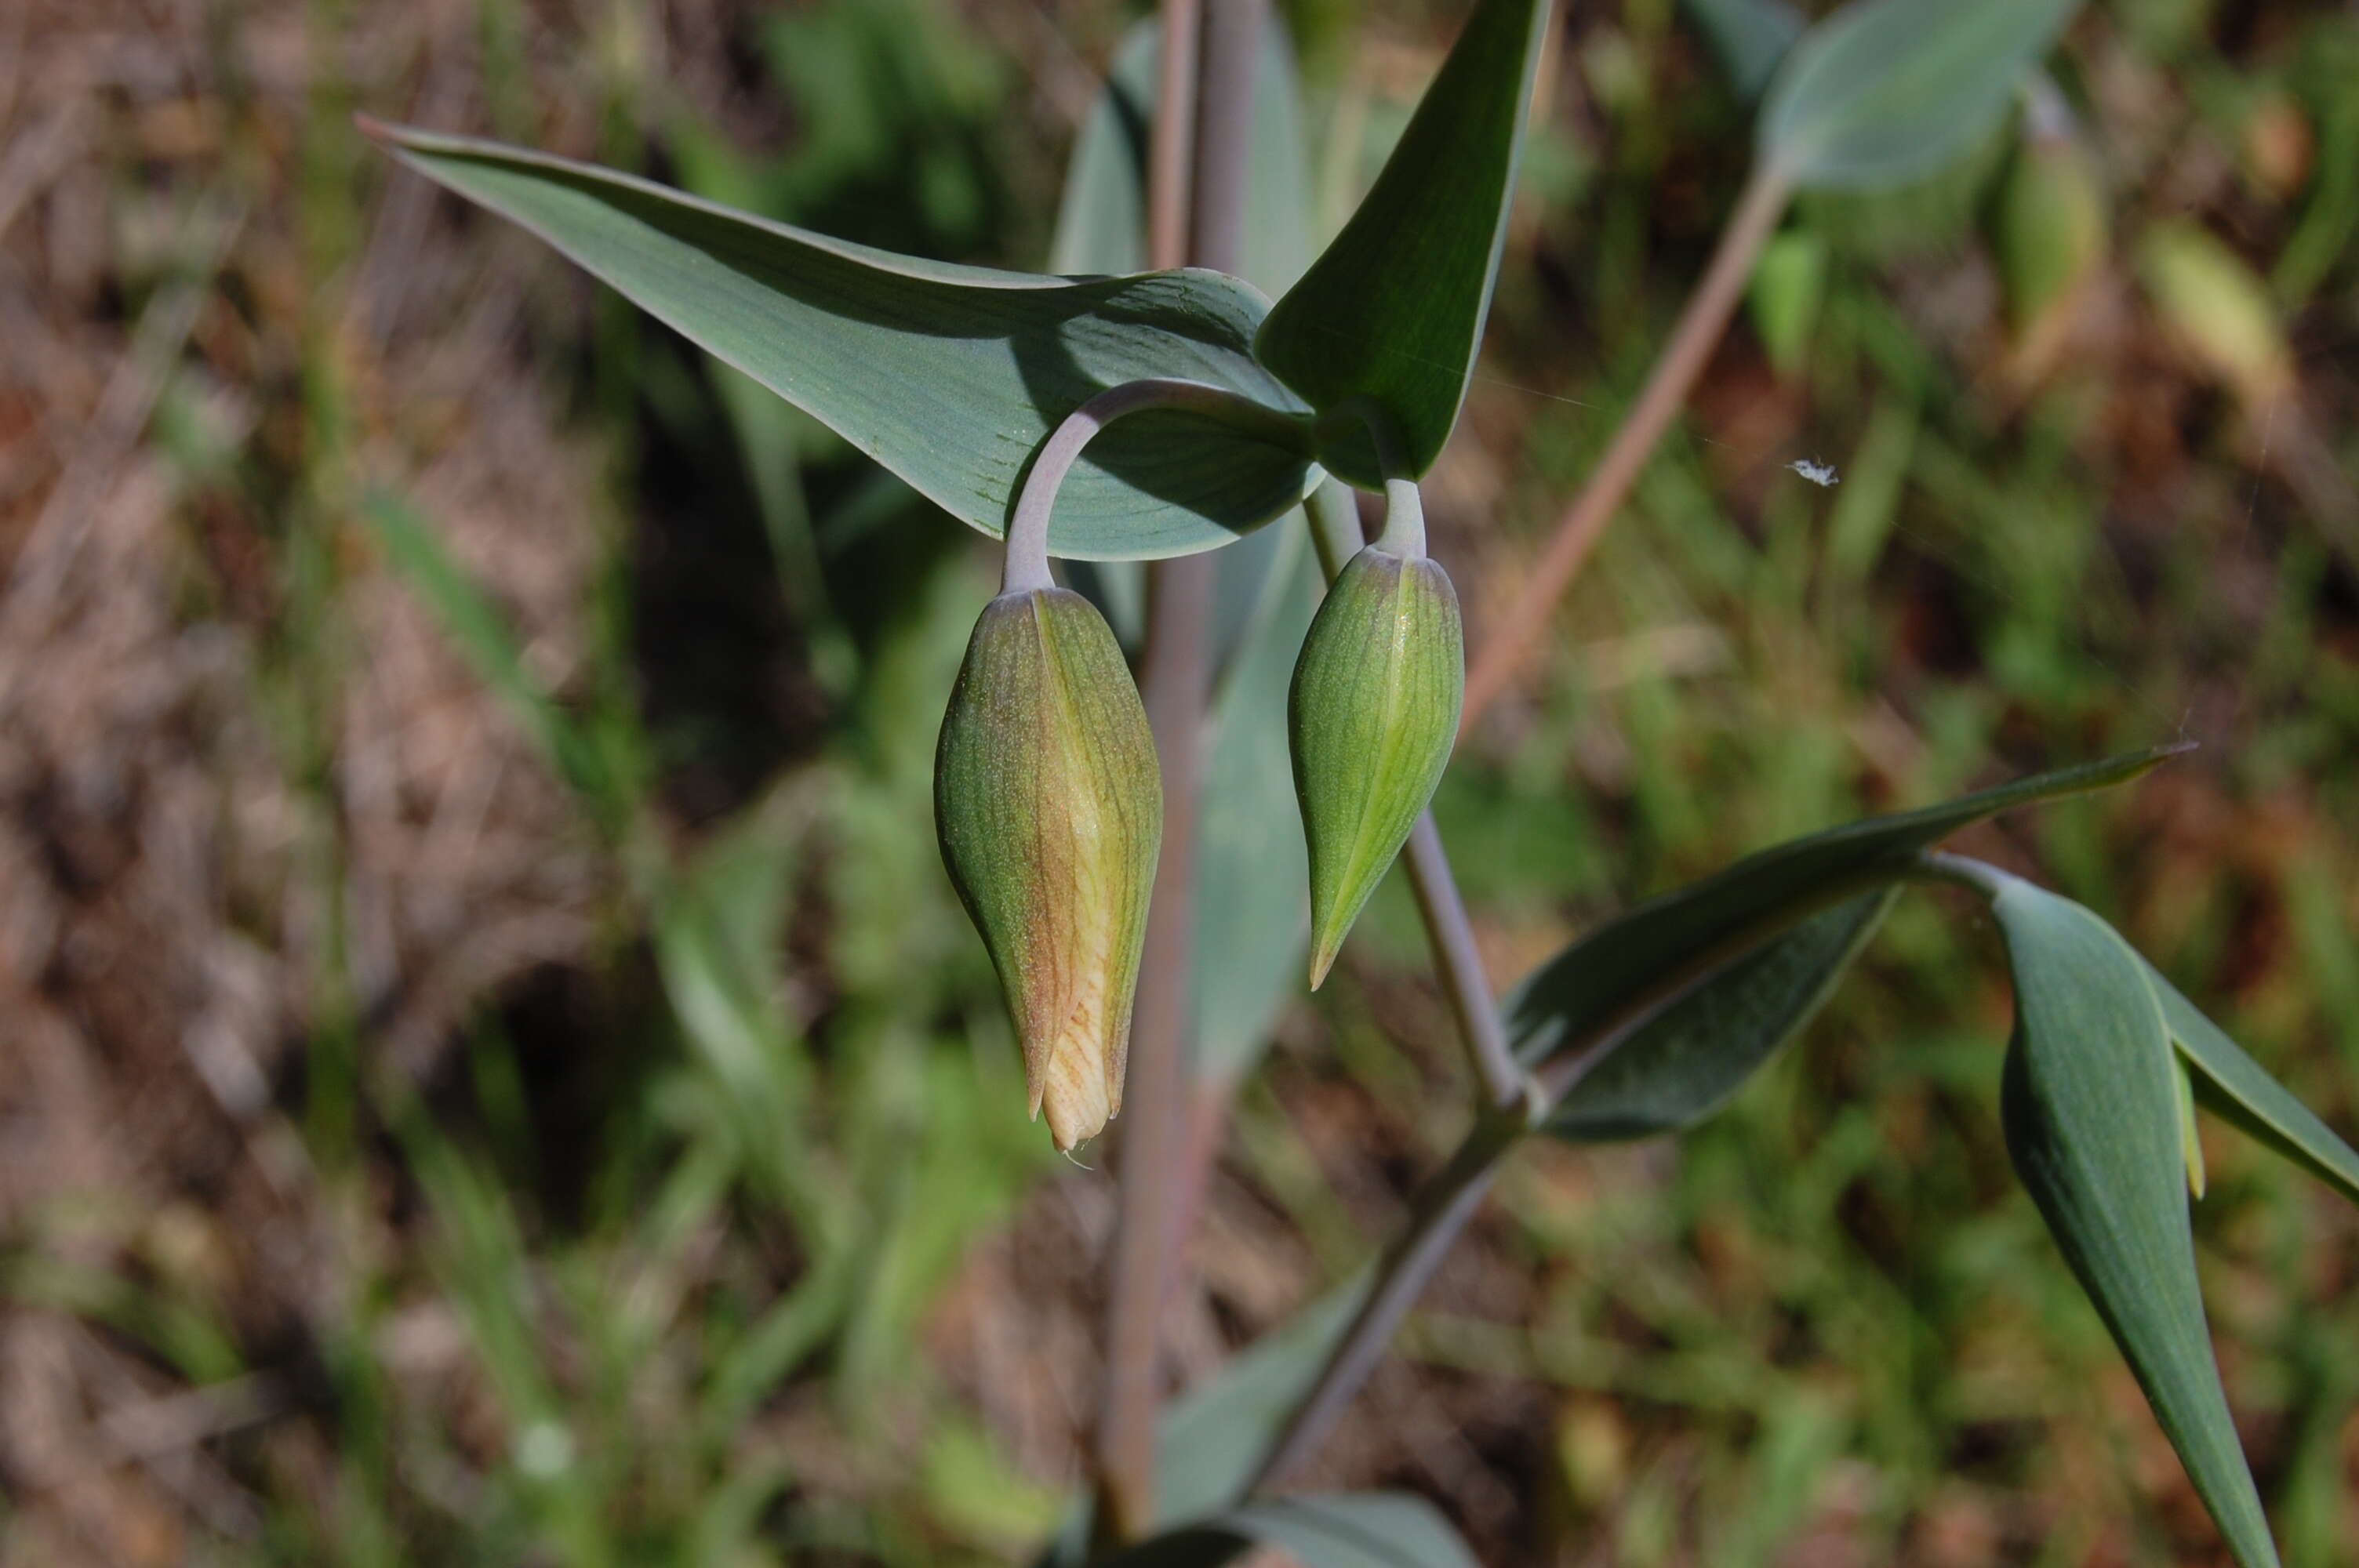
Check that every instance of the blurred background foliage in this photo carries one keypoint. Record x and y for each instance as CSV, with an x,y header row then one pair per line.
x,y
492,1072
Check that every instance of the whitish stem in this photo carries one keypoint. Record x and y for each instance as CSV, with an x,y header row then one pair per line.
x,y
1027,566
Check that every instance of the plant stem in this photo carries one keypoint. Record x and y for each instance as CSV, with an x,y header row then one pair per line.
x,y
1336,533
1026,567
1439,1211
1700,328
1175,683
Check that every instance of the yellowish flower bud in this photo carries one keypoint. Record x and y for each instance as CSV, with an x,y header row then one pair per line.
x,y
1049,807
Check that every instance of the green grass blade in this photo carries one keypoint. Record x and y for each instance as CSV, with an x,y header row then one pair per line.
x,y
950,376
1885,92
1392,311
2237,1088
2092,1123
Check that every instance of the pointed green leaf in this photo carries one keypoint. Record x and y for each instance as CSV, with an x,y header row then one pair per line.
x,y
1392,311
1685,1063
2234,1088
1885,92
950,376
1750,37
1689,933
1367,1530
2093,1124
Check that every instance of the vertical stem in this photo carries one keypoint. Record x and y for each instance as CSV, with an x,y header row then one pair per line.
x,y
1683,357
1175,681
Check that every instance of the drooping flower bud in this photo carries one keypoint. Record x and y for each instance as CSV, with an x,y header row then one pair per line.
x,y
1372,716
1050,808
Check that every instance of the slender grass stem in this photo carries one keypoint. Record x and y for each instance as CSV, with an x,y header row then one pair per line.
x,y
1700,328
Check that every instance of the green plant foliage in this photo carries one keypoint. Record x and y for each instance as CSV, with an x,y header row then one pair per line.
x,y
1677,1065
1252,870
2237,1089
1683,1063
1371,717
1378,1530
1212,1438
949,376
2093,1124
1750,37
1885,92
1392,311
1251,908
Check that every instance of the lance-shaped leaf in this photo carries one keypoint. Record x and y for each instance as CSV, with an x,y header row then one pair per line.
x,y
950,376
1885,92
1371,1530
1684,1062
1642,978
2092,1123
2237,1089
1392,311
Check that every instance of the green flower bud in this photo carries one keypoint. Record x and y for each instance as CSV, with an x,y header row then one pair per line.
x,y
1050,808
1372,716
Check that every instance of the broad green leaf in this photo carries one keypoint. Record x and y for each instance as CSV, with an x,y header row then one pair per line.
x,y
1370,1530
1719,920
2092,1121
1750,37
950,376
2237,1089
1887,90
1685,1062
1392,311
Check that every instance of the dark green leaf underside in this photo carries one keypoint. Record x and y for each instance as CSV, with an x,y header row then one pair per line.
x,y
1729,914
950,376
1685,1062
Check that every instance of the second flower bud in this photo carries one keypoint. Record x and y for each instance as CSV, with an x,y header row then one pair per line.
x,y
1371,717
